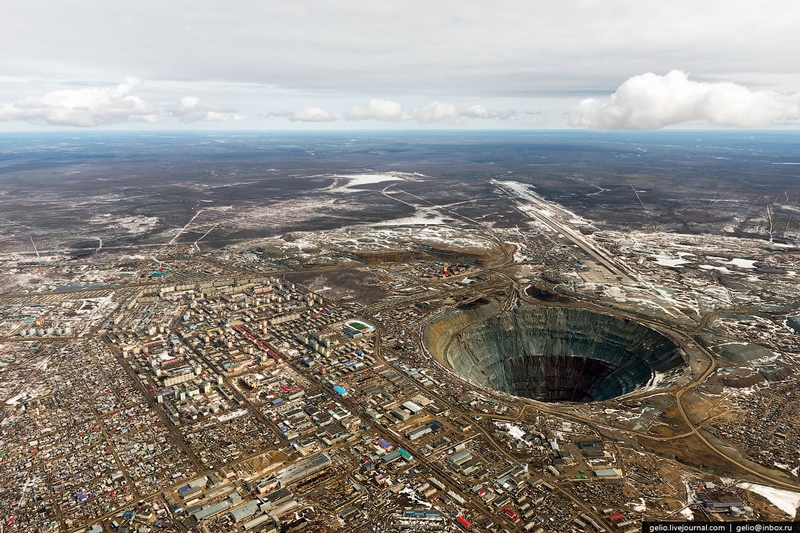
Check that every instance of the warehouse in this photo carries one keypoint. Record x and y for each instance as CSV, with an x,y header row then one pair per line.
x,y
302,468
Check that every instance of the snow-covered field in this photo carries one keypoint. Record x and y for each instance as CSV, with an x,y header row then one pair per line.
x,y
743,263
785,500
670,262
356,180
131,224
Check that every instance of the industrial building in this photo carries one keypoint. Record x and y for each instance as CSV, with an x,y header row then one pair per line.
x,y
719,500
300,469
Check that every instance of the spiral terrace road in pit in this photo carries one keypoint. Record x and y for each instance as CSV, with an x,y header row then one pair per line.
x,y
561,354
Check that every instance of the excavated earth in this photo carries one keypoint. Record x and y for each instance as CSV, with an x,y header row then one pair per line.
x,y
552,354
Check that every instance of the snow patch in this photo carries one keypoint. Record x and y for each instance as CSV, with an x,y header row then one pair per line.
x,y
411,495
667,262
413,221
785,500
724,270
639,507
742,263
15,400
514,431
131,224
615,292
356,180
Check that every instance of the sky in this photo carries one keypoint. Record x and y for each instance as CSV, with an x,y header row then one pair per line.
x,y
345,65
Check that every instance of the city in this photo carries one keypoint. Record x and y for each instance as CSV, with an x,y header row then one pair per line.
x,y
228,390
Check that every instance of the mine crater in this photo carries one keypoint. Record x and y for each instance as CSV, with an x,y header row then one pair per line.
x,y
557,354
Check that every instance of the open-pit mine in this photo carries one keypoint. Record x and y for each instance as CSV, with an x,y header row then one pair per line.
x,y
555,354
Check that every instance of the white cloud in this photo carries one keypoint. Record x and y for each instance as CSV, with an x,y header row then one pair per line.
x,y
377,109
437,112
388,110
650,102
309,114
82,107
534,118
478,111
287,55
192,109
